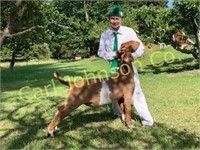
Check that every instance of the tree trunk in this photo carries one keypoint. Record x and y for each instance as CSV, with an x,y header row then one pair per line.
x,y
86,13
198,44
12,62
2,38
197,36
3,35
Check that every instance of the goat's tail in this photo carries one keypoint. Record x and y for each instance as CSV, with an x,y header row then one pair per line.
x,y
58,77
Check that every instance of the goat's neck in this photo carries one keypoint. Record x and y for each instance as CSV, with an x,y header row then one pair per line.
x,y
126,69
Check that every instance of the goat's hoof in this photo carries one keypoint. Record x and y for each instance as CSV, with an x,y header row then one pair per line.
x,y
50,134
130,126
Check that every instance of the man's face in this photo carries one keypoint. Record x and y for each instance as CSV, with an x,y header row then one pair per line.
x,y
115,22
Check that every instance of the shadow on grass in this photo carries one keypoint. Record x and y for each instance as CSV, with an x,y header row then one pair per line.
x,y
42,74
26,111
159,136
39,75
172,67
31,127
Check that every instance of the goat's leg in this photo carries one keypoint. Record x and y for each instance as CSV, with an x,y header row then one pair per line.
x,y
127,110
121,106
63,111
56,120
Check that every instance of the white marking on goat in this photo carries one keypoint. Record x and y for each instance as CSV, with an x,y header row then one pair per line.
x,y
130,126
104,94
123,117
51,133
126,60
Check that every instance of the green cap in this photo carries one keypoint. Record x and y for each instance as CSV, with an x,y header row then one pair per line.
x,y
116,11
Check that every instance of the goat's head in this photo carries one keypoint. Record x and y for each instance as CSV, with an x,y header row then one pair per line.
x,y
128,48
126,57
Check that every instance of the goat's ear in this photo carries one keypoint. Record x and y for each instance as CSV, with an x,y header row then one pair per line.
x,y
134,46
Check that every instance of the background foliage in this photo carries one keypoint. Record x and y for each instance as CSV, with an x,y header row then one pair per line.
x,y
73,28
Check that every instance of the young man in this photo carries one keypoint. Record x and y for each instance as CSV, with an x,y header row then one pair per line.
x,y
110,42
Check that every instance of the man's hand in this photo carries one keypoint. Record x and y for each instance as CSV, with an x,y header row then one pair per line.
x,y
119,53
122,48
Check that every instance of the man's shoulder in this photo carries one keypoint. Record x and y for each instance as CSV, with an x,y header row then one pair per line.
x,y
107,32
126,28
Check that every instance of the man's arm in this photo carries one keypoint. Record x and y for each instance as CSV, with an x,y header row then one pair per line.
x,y
102,50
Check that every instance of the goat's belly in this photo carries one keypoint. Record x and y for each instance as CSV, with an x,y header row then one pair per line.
x,y
105,94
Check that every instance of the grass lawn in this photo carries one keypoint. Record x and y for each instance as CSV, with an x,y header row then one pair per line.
x,y
30,96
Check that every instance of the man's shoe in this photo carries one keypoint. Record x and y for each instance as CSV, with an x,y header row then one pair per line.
x,y
146,126
147,123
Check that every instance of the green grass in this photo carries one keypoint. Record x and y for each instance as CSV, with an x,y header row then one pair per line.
x,y
171,87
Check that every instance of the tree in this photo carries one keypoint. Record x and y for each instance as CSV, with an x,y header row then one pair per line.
x,y
16,18
23,25
39,51
151,23
16,22
82,20
186,19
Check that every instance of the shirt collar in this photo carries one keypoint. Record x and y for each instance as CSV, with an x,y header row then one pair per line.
x,y
119,30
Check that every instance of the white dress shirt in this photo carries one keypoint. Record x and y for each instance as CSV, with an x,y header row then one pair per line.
x,y
125,34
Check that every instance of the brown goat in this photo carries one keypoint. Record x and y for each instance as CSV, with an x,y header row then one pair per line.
x,y
97,92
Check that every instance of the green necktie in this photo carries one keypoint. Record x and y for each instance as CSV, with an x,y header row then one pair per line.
x,y
114,62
